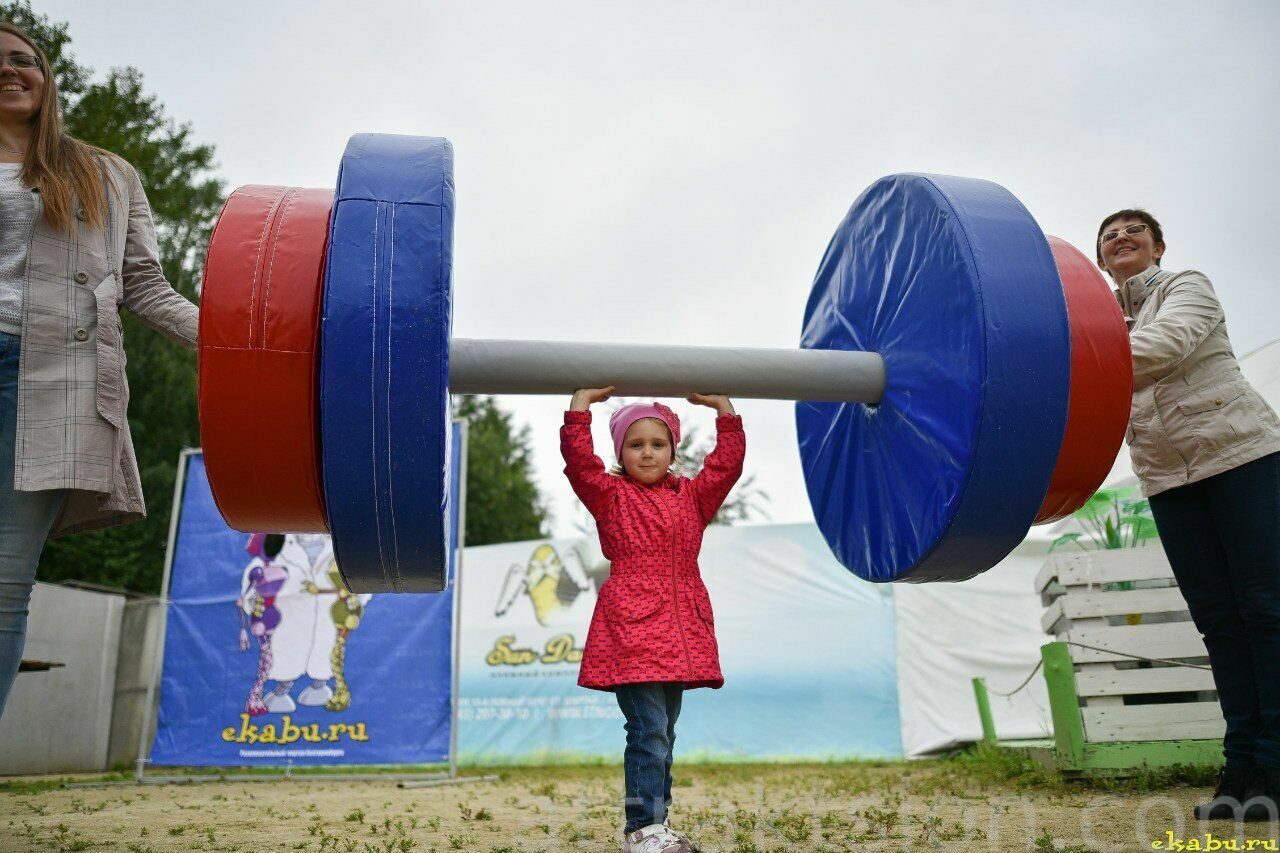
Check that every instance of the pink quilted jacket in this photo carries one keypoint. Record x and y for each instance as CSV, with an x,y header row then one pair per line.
x,y
653,619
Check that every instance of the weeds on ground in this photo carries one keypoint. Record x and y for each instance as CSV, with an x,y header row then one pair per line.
x,y
19,786
1158,779
756,808
1045,844
995,766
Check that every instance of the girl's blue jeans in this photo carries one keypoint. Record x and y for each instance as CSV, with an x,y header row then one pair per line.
x,y
651,710
25,520
1222,537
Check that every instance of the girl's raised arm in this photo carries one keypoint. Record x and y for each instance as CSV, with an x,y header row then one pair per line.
x,y
723,465
591,483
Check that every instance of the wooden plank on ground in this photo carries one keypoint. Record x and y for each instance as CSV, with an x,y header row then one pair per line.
x,y
1091,568
1048,574
1129,682
1177,721
1099,624
1161,641
1051,615
1081,603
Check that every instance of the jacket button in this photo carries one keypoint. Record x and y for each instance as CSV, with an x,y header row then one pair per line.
x,y
1217,402
80,214
81,277
82,334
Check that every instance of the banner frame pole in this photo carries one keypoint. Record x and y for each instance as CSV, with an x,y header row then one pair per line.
x,y
175,513
460,545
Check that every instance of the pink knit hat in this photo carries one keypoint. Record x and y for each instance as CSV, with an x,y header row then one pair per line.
x,y
622,419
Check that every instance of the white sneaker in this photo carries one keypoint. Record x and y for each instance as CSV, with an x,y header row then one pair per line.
x,y
654,838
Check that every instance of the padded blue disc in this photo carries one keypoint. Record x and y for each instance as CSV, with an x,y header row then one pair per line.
x,y
952,281
384,363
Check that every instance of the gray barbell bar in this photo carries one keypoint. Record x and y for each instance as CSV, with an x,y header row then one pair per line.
x,y
478,366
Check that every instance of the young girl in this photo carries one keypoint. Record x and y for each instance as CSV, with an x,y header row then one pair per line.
x,y
653,634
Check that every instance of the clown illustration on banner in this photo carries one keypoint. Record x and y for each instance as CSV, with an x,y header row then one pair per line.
x,y
301,615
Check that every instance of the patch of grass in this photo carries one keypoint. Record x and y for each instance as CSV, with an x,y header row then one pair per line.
x,y
36,808
881,823
1157,779
546,789
993,766
19,786
66,840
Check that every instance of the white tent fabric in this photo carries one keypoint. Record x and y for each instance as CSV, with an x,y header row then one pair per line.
x,y
818,664
948,634
990,627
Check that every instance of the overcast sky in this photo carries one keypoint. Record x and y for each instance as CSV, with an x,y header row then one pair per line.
x,y
671,172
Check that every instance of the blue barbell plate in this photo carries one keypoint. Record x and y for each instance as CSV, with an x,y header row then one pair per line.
x,y
952,281
384,363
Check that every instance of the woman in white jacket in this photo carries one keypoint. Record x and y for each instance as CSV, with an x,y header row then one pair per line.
x,y
1206,448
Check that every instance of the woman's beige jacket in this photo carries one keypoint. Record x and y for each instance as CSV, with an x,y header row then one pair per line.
x,y
72,431
1193,415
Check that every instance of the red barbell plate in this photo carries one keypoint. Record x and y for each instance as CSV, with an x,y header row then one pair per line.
x,y
1101,385
259,323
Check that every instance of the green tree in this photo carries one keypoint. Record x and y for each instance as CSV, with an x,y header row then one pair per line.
x,y
115,113
503,501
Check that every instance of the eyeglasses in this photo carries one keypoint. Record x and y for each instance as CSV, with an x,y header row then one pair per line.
x,y
1131,230
24,61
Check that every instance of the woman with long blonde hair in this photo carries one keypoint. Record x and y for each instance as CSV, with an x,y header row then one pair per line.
x,y
77,244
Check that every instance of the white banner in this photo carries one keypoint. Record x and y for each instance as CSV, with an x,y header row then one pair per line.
x,y
807,651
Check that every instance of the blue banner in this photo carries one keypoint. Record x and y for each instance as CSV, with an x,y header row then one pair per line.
x,y
269,660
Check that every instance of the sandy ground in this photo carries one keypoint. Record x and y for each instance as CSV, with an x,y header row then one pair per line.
x,y
944,805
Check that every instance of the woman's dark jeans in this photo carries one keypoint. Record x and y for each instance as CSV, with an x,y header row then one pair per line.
x,y
651,710
1222,537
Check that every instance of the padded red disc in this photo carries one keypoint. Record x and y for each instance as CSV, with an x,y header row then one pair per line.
x,y
1101,385
259,323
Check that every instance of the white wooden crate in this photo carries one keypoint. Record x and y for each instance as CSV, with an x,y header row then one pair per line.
x,y
1084,605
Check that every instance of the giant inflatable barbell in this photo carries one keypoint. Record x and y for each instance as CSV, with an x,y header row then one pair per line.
x,y
960,375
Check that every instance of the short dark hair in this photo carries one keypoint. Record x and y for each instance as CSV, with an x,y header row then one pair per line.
x,y
1130,213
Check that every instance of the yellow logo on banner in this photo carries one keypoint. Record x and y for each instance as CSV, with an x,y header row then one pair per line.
x,y
559,649
290,733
